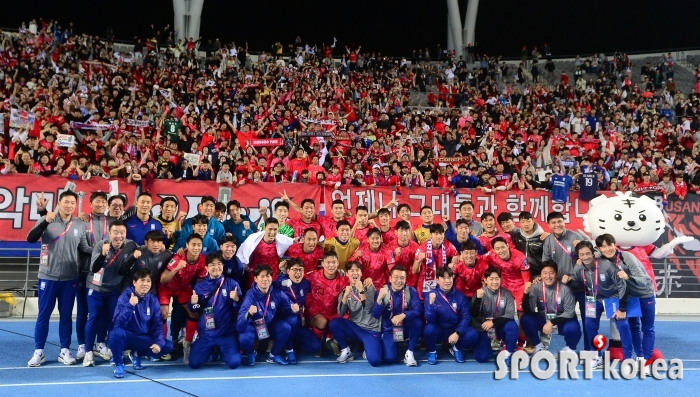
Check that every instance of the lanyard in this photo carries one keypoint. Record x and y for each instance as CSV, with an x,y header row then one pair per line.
x,y
62,234
448,302
114,257
352,293
556,299
219,289
92,233
267,303
562,247
595,280
495,305
403,300
294,296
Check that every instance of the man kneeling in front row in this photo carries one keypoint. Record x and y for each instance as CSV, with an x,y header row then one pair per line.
x,y
137,324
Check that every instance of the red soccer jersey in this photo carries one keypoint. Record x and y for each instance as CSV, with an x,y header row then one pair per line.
x,y
184,277
389,236
324,294
299,226
298,165
514,272
265,254
361,234
404,256
375,264
486,241
310,260
426,275
328,225
468,279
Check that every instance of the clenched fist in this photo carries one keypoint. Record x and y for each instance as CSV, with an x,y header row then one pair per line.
x,y
432,298
480,293
137,254
253,309
105,249
134,300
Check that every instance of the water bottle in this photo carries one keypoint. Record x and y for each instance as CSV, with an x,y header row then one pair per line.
x,y
295,176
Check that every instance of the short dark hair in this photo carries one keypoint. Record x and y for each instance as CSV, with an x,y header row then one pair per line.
x,y
352,264
425,207
309,230
374,230
464,203
194,236
262,268
437,228
96,195
153,235
116,197
228,239
308,200
200,220
236,203
294,261
361,208
272,220
142,273
555,215
342,222
461,222
581,245
443,272
498,239
403,225
219,206
503,217
117,223
67,193
551,264
214,256
398,268
469,245
277,205
402,206
490,270
525,215
149,195
169,198
606,238
207,199
383,211
329,254
487,215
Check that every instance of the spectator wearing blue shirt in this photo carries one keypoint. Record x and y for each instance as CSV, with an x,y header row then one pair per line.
x,y
460,234
215,229
666,112
204,172
592,120
142,222
199,226
239,226
464,179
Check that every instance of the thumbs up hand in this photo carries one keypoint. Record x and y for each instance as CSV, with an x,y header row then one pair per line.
x,y
105,249
195,298
134,300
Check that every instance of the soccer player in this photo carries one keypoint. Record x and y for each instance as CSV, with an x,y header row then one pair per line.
x,y
600,281
555,309
264,248
459,234
330,223
308,251
401,312
514,268
137,325
447,318
357,300
639,285
199,223
215,229
469,270
488,222
239,226
168,220
326,285
374,258
342,244
297,288
104,283
493,308
404,250
422,233
216,299
233,268
141,223
388,234
266,312
153,257
176,283
62,236
361,227
281,214
466,212
307,219
404,211
529,239
433,254
558,248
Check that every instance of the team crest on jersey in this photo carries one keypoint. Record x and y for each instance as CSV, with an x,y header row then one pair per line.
x,y
172,262
525,264
223,292
75,233
454,305
160,264
602,277
502,303
42,285
272,305
301,292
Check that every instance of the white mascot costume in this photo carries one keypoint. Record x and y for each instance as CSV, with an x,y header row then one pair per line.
x,y
636,223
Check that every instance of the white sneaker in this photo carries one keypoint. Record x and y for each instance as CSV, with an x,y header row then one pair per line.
x,y
81,352
66,357
89,359
186,346
37,359
598,362
102,351
567,349
540,346
409,360
345,356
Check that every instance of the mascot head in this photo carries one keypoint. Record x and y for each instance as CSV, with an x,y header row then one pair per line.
x,y
634,221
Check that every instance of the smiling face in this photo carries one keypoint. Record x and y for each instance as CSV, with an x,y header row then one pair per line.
x,y
634,221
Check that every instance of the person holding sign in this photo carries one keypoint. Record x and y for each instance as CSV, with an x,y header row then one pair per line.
x,y
104,285
62,236
433,254
447,318
549,305
493,308
137,325
266,312
216,299
600,280
400,310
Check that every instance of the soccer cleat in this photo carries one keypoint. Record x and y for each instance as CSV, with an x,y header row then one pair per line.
x,y
37,359
459,357
345,356
409,360
291,358
540,347
251,358
331,344
135,360
81,352
276,360
89,359
66,357
598,362
432,358
186,346
119,371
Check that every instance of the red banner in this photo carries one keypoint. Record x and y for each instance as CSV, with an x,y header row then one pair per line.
x,y
266,142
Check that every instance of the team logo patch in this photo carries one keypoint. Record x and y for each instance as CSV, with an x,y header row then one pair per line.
x,y
75,233
42,286
454,305
223,292
602,277
90,292
301,292
148,311
525,264
272,305
503,303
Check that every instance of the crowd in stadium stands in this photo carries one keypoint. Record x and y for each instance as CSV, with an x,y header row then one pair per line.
x,y
310,282
334,115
